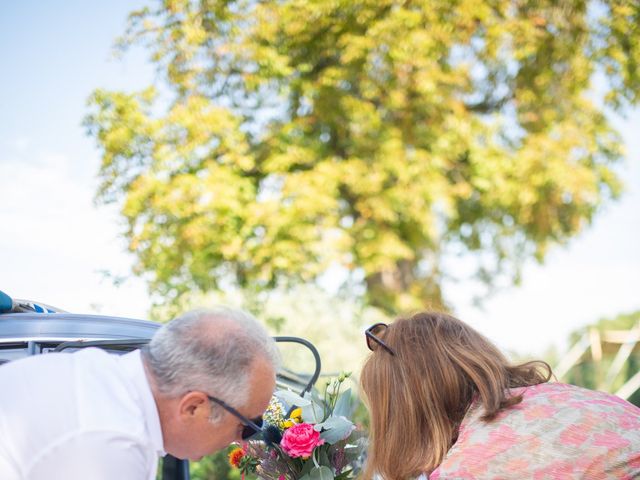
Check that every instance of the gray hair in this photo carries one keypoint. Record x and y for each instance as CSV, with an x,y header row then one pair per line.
x,y
210,351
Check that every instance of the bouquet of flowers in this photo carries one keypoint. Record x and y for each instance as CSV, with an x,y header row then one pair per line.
x,y
305,438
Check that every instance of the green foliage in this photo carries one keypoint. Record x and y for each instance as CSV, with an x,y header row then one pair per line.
x,y
334,325
376,136
214,467
622,321
590,373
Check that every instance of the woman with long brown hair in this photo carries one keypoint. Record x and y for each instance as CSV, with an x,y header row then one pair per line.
x,y
446,404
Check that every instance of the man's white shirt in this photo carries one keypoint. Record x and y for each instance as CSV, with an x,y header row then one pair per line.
x,y
79,415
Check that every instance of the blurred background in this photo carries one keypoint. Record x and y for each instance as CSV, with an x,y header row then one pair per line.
x,y
331,164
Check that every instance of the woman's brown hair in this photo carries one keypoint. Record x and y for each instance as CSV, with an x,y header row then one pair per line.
x,y
418,396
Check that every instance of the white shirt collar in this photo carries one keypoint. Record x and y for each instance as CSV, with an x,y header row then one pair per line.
x,y
134,368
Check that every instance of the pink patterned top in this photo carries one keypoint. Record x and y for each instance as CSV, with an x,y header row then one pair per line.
x,y
558,431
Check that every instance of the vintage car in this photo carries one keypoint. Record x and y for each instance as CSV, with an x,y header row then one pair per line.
x,y
32,328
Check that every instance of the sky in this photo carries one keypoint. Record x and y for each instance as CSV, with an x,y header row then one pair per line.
x,y
55,243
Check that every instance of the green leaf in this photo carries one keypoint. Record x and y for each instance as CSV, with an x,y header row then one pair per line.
x,y
343,404
321,473
334,429
291,399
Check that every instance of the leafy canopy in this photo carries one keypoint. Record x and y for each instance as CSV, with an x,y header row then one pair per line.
x,y
284,138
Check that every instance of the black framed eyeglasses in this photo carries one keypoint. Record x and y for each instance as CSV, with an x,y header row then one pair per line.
x,y
372,335
252,427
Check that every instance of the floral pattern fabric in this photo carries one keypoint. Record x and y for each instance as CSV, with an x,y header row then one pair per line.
x,y
558,431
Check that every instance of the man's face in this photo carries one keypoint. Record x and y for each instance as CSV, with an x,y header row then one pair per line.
x,y
196,436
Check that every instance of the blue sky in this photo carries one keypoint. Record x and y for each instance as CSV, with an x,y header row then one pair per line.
x,y
54,242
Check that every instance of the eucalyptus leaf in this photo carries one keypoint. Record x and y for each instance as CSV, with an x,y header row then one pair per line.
x,y
343,404
335,429
312,413
321,473
323,456
291,399
314,397
306,468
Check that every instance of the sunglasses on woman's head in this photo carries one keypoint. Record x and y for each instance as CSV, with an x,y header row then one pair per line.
x,y
251,427
372,335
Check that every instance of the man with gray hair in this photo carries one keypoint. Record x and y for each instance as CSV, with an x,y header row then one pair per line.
x,y
191,391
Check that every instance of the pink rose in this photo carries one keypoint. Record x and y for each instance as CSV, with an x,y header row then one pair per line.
x,y
300,440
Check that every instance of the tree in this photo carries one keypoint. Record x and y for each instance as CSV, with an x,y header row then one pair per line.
x,y
377,136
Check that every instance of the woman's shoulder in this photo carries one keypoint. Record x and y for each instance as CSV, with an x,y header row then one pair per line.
x,y
564,395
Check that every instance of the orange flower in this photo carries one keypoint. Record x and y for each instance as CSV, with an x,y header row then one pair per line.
x,y
235,456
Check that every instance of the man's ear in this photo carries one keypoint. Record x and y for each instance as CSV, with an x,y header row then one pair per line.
x,y
193,406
